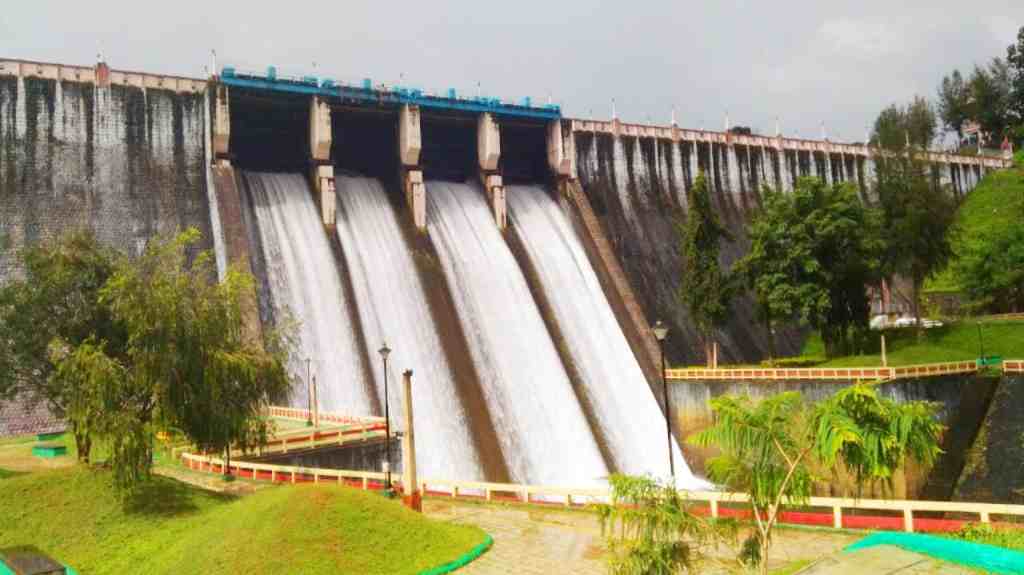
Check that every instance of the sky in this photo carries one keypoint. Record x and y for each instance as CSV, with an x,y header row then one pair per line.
x,y
805,63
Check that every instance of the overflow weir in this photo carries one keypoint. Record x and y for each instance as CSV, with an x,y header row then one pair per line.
x,y
512,258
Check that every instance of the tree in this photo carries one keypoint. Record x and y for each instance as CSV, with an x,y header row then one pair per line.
x,y
897,125
1015,59
769,448
652,531
186,365
780,268
954,103
917,220
706,287
56,300
991,90
812,254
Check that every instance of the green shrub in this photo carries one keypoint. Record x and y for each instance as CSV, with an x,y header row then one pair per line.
x,y
1008,537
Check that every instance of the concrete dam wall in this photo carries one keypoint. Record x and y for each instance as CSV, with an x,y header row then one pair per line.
x,y
127,162
637,178
373,219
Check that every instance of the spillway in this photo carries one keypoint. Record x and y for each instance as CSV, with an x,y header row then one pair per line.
x,y
393,308
305,285
539,421
624,408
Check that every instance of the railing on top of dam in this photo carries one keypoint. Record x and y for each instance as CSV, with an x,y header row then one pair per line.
x,y
368,93
91,75
824,373
675,133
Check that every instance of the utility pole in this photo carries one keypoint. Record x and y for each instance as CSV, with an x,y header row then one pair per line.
x,y
413,498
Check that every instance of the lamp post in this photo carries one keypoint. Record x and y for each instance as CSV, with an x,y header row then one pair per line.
x,y
309,394
384,351
660,333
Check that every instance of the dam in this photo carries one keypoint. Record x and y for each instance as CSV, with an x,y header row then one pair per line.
x,y
513,258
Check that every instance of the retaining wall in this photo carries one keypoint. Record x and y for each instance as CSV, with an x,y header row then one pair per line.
x,y
962,399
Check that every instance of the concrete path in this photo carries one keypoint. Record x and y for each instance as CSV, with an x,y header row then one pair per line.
x,y
535,540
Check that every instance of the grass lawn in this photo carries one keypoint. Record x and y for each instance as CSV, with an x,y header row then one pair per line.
x,y
74,515
952,342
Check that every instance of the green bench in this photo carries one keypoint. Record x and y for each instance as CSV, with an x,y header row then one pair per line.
x,y
49,450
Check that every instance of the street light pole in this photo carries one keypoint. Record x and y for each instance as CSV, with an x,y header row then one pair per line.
x,y
309,395
384,351
660,333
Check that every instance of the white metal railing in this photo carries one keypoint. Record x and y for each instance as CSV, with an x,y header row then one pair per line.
x,y
297,414
822,373
580,495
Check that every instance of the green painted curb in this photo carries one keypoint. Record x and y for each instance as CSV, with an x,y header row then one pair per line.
x,y
463,560
988,558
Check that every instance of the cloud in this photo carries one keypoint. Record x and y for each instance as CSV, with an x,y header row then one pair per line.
x,y
860,38
1003,29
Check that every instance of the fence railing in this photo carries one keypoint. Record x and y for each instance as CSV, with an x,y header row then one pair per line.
x,y
822,373
296,414
1013,366
1002,317
719,504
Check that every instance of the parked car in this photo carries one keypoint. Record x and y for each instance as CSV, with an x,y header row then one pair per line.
x,y
910,322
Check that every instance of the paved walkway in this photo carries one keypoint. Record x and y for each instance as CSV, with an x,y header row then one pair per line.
x,y
534,540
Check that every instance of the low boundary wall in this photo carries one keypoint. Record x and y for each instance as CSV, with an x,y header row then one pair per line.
x,y
822,511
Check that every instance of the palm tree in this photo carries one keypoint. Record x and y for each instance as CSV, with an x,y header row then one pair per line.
x,y
769,448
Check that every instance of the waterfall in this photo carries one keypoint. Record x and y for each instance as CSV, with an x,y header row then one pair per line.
x,y
627,412
539,421
393,308
305,284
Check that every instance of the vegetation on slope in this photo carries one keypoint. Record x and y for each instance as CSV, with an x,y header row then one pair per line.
x,y
991,209
953,342
76,516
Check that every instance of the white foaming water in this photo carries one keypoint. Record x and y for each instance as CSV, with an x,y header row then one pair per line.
x,y
393,308
627,412
539,421
305,283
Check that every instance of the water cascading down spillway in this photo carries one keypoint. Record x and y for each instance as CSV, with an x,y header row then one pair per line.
x,y
304,285
393,306
623,407
539,421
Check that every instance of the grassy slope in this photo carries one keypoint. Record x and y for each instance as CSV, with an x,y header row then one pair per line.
x,y
74,515
953,342
995,203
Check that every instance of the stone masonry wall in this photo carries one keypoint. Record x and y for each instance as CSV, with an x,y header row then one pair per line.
x,y
126,162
